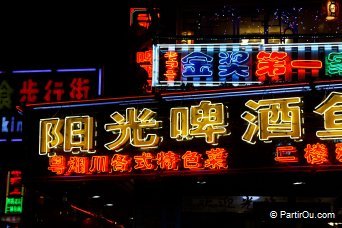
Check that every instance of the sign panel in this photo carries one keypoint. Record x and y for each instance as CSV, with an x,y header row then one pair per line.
x,y
225,64
14,193
22,87
192,133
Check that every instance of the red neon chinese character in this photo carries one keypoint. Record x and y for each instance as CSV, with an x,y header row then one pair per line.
x,y
14,185
338,152
272,64
286,154
122,163
301,65
57,164
217,159
57,90
144,162
29,91
78,165
316,153
79,88
168,160
15,177
15,191
99,164
15,180
144,57
171,65
192,160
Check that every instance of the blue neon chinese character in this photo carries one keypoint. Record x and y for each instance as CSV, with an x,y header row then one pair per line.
x,y
231,64
197,64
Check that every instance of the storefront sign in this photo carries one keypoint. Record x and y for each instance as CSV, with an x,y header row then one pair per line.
x,y
21,87
140,139
14,193
236,64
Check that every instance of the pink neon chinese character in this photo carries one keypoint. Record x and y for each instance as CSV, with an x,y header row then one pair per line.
x,y
79,89
29,91
217,159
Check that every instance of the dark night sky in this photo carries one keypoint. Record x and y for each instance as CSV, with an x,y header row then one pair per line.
x,y
61,32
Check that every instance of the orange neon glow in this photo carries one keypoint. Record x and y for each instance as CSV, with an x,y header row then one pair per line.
x,y
57,164
144,20
78,165
168,160
192,160
171,65
99,164
316,154
272,64
144,59
338,151
306,64
217,159
121,163
286,154
144,161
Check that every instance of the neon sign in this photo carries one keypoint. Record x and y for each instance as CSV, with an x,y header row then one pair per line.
x,y
197,65
207,65
233,65
192,137
333,64
215,159
206,120
276,118
279,118
14,193
22,87
144,59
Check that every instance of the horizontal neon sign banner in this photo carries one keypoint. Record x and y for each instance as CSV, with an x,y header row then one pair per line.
x,y
176,65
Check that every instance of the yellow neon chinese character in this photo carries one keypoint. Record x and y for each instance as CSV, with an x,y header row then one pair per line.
x,y
50,135
179,118
133,128
206,120
331,109
276,118
78,133
5,95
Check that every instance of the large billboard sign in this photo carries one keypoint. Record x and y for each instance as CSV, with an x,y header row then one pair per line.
x,y
192,133
226,64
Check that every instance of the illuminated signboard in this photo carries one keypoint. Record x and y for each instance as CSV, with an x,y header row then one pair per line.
x,y
20,87
207,65
14,193
144,59
192,134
